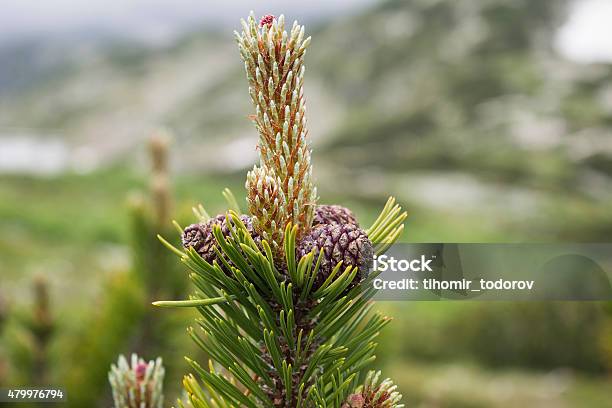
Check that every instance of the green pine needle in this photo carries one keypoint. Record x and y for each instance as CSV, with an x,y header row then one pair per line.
x,y
231,200
192,302
388,227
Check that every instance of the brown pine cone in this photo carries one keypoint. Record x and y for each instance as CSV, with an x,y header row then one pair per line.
x,y
333,214
347,243
200,236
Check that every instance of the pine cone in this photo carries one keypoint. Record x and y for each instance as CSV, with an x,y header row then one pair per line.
x,y
345,242
333,214
200,236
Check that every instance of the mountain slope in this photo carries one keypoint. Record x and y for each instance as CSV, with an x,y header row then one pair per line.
x,y
465,100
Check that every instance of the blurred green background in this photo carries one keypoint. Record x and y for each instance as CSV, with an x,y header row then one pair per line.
x,y
468,112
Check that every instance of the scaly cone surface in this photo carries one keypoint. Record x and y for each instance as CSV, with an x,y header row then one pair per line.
x,y
274,64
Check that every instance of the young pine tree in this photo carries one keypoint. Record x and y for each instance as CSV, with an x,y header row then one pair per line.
x,y
284,291
137,384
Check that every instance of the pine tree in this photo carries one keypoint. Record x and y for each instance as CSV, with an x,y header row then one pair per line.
x,y
42,328
25,356
3,316
284,293
120,321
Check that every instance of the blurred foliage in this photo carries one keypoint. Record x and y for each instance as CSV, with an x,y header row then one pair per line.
x,y
87,352
121,319
463,385
30,331
544,336
533,335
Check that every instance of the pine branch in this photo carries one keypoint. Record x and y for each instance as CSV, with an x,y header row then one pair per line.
x,y
274,65
160,184
42,328
284,294
297,344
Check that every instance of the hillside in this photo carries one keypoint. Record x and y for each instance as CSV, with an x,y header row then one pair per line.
x,y
462,108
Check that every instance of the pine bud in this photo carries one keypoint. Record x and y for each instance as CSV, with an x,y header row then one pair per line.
x,y
158,147
374,395
274,64
265,198
266,20
139,385
160,184
354,401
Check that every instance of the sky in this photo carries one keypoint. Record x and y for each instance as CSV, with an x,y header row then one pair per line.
x,y
585,37
151,19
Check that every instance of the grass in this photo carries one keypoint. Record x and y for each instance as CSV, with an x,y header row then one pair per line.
x,y
462,385
75,228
